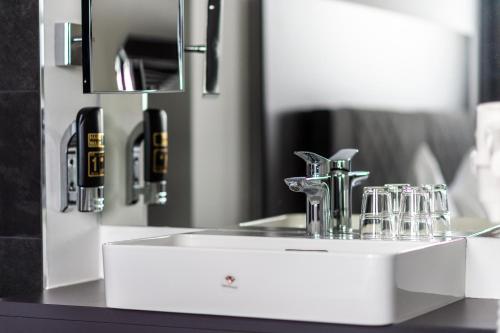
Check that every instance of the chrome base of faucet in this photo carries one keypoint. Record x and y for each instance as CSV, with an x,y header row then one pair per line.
x,y
334,236
342,229
328,186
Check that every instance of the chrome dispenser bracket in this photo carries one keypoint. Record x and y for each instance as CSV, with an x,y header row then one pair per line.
x,y
212,50
69,185
68,44
133,187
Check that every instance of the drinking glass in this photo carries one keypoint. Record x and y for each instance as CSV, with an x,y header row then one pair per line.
x,y
395,191
415,221
376,220
440,214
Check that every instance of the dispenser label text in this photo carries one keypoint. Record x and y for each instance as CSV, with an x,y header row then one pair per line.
x,y
96,164
160,160
95,140
160,139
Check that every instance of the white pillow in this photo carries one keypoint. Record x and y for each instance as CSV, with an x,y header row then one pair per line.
x,y
425,169
464,190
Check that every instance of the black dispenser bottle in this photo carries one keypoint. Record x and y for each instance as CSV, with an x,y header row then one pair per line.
x,y
153,130
82,162
155,156
90,159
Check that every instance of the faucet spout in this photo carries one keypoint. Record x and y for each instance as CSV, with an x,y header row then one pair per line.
x,y
358,177
317,191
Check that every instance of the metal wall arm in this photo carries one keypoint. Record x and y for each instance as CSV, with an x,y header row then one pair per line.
x,y
212,49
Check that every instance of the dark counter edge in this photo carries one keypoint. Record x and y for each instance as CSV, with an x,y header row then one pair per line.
x,y
85,303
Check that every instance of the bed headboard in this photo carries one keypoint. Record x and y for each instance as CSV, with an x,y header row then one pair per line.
x,y
387,142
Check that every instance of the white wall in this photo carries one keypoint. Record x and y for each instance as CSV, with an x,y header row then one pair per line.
x,y
461,16
339,53
458,15
71,240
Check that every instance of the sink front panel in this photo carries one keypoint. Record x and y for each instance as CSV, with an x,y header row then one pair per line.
x,y
335,281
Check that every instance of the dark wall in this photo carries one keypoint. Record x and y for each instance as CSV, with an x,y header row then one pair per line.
x,y
489,51
20,149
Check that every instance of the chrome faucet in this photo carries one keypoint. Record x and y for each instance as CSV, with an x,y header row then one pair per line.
x,y
328,185
342,180
314,186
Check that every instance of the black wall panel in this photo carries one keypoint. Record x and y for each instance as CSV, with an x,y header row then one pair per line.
x,y
20,149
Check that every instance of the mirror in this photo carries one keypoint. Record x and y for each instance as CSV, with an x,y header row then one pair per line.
x,y
133,46
396,80
399,80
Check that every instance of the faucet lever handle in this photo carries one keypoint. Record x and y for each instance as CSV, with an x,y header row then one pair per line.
x,y
342,159
317,165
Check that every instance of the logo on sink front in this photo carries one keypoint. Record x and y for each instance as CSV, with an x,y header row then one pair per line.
x,y
230,282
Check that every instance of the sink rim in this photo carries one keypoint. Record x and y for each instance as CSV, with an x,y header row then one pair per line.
x,y
405,246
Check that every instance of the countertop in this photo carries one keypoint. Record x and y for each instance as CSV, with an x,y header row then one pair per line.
x,y
82,308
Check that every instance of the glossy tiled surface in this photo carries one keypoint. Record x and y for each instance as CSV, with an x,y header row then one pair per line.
x,y
20,186
21,262
19,62
20,149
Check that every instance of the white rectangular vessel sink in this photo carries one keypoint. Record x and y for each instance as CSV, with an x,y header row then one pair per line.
x,y
334,281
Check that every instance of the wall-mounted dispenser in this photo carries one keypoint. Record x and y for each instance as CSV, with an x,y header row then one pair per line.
x,y
141,53
82,162
153,132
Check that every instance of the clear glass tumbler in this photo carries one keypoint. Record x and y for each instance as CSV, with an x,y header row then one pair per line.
x,y
376,220
415,222
440,213
395,191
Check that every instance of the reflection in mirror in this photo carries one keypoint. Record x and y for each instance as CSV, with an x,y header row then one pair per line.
x,y
398,80
133,46
147,64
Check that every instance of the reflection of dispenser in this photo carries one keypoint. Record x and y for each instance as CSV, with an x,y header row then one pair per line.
x,y
82,162
153,132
